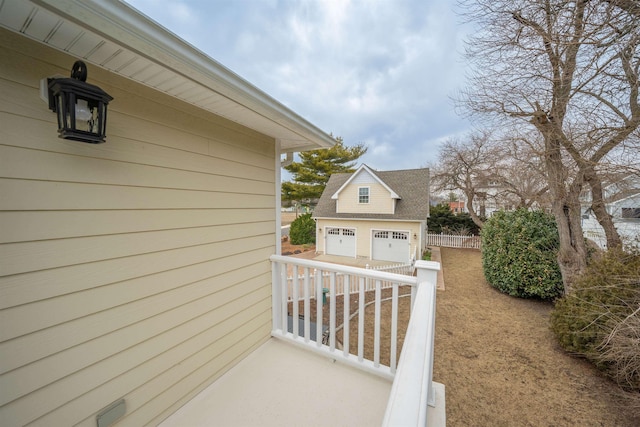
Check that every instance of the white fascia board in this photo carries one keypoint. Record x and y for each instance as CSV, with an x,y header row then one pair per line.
x,y
132,30
332,218
372,173
631,197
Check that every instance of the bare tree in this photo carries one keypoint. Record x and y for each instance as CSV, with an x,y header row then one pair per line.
x,y
460,162
492,171
524,171
570,70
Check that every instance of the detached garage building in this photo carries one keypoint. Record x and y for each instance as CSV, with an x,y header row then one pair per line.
x,y
374,215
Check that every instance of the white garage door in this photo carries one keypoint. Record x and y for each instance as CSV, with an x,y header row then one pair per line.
x,y
341,241
391,246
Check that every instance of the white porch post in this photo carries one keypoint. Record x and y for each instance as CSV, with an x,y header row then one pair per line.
x,y
278,191
276,298
276,276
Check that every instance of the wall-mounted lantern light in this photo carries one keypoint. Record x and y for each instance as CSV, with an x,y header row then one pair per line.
x,y
81,107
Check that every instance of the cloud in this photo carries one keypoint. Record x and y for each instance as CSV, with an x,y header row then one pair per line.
x,y
379,72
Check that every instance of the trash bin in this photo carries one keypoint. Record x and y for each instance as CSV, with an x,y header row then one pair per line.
x,y
325,291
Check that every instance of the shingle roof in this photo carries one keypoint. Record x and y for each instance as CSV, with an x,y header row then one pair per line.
x,y
412,185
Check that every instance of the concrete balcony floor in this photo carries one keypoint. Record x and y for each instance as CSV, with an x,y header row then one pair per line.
x,y
279,384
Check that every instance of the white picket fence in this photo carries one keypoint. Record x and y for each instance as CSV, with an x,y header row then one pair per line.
x,y
451,241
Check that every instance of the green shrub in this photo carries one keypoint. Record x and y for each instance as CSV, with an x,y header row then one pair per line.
x,y
519,252
303,230
600,318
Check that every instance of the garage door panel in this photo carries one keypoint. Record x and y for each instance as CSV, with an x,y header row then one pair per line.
x,y
341,242
391,246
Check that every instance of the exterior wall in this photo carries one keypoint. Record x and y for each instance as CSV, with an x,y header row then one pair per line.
x,y
632,203
629,231
457,207
363,233
134,269
628,228
380,200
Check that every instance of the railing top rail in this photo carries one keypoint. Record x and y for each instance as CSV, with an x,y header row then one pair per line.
x,y
345,269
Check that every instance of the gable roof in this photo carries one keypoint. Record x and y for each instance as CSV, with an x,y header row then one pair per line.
x,y
113,35
411,186
365,169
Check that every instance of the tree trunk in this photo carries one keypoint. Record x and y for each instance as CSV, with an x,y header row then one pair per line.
x,y
470,194
600,210
572,255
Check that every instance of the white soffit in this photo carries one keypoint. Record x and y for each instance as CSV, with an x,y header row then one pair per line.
x,y
114,36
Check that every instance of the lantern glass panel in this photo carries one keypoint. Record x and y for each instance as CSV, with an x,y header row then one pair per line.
x,y
86,113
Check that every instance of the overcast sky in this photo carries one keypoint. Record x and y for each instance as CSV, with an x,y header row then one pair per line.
x,y
375,72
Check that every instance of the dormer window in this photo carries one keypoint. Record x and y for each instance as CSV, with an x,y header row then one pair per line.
x,y
363,195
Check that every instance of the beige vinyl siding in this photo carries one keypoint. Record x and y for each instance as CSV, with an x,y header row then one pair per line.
x,y
134,269
380,200
363,232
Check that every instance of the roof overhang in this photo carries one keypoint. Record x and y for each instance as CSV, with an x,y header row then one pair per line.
x,y
112,35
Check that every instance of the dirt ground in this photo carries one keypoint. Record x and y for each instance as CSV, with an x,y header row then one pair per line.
x,y
498,358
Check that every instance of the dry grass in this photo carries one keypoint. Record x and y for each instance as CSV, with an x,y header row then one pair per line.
x,y
501,365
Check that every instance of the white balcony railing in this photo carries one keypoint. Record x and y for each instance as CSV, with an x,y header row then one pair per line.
x,y
307,290
341,281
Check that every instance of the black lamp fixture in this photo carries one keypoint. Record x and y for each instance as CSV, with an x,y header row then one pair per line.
x,y
81,107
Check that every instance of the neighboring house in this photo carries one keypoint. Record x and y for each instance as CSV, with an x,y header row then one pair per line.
x,y
457,207
622,199
136,273
491,196
374,215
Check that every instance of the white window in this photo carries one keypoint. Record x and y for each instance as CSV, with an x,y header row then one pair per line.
x,y
399,236
363,195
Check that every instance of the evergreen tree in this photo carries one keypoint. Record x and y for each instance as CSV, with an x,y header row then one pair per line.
x,y
440,216
443,220
311,173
